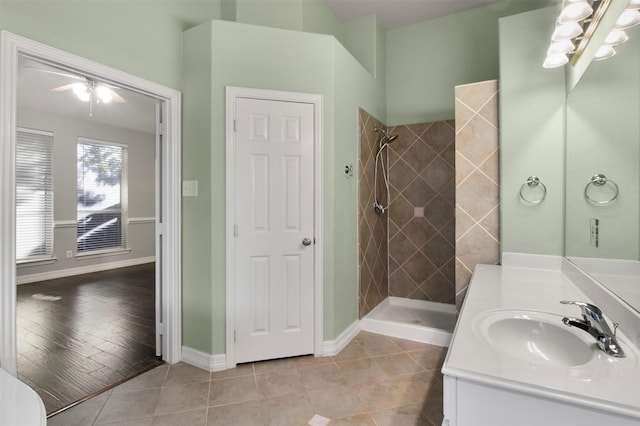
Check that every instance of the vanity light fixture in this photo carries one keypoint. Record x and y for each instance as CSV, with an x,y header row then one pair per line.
x,y
616,37
567,31
628,18
604,52
557,60
576,24
575,11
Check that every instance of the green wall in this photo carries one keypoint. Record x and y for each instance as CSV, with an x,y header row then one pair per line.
x,y
354,87
603,136
198,261
532,120
143,38
312,16
273,13
318,18
290,61
428,59
360,38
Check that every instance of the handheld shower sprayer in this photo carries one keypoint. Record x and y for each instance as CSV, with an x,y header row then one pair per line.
x,y
383,142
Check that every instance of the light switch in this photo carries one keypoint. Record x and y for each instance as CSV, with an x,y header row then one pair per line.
x,y
190,188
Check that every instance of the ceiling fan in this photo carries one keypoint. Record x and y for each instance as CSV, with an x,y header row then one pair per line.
x,y
86,89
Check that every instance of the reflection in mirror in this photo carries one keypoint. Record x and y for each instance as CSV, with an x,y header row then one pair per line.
x,y
603,138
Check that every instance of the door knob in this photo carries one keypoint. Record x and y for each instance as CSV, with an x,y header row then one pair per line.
x,y
306,242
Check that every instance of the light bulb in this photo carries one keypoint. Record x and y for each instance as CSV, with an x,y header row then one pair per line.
x,y
104,94
604,52
566,31
555,60
82,92
575,11
562,46
628,19
616,37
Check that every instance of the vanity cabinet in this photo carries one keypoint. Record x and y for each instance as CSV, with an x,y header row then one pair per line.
x,y
513,362
471,403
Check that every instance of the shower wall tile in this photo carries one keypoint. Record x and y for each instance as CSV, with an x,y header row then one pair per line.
x,y
373,232
421,246
476,181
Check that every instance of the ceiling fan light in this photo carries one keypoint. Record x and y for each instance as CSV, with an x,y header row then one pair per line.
x,y
567,31
555,60
575,11
628,19
616,37
82,92
604,52
104,94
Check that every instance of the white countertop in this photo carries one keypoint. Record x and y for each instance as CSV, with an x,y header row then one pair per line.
x,y
608,383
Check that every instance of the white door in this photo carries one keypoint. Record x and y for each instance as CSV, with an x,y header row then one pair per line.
x,y
274,196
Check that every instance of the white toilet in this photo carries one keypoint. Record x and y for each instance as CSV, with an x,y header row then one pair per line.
x,y
19,404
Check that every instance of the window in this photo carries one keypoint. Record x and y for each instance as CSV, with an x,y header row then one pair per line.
x,y
102,196
34,195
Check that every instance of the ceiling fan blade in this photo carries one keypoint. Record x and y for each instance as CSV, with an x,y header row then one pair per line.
x,y
63,88
76,77
116,98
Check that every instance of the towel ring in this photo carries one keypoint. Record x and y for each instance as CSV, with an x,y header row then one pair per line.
x,y
597,181
533,182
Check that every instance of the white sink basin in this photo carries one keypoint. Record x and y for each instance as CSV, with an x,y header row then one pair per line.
x,y
535,337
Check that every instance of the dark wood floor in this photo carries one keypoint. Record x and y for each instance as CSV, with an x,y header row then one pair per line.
x,y
82,334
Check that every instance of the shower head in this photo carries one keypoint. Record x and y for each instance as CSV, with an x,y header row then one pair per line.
x,y
386,137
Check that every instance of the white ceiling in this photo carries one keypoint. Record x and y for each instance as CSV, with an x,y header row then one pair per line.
x,y
34,92
398,13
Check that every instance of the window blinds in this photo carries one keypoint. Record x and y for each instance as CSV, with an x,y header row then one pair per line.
x,y
102,194
34,195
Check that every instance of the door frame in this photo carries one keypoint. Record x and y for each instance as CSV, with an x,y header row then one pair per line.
x,y
232,94
13,45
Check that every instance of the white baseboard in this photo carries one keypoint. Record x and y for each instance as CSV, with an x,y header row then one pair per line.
x,y
219,362
333,347
52,275
204,360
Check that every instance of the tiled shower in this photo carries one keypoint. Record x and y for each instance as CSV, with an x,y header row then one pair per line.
x,y
373,228
411,251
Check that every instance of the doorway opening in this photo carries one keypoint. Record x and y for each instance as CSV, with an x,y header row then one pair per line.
x,y
107,226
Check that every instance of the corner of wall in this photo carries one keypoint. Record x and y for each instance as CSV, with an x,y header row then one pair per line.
x,y
196,211
228,10
361,40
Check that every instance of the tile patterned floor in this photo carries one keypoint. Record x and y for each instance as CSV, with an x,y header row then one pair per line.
x,y
375,380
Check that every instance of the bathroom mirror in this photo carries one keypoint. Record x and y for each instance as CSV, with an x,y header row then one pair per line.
x,y
602,211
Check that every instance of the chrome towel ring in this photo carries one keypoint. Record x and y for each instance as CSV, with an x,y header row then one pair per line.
x,y
595,191
533,186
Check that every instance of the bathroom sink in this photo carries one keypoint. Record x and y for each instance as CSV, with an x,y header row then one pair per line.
x,y
535,337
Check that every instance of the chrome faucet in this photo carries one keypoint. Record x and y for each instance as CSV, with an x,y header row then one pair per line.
x,y
593,322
